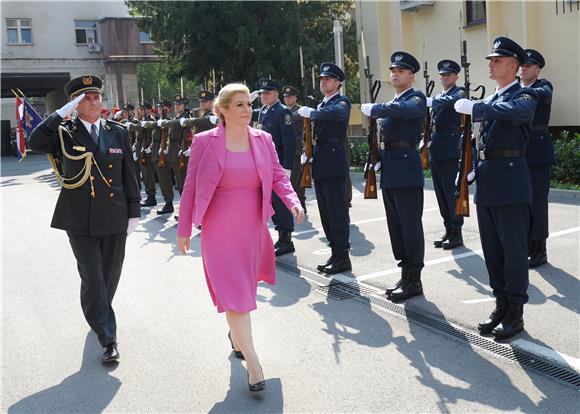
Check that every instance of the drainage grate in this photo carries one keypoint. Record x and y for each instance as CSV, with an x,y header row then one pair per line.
x,y
368,294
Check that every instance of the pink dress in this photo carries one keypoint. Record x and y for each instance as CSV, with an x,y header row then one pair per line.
x,y
236,246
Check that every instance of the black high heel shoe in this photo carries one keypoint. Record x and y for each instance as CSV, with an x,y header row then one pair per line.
x,y
238,354
258,386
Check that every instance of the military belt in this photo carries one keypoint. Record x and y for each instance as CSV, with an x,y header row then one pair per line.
x,y
400,145
506,153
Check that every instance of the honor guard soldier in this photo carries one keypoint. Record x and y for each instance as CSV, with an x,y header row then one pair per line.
x,y
276,119
143,148
176,140
504,188
401,173
330,167
539,155
444,151
159,151
290,100
99,202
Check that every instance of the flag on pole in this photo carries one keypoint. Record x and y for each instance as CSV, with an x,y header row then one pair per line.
x,y
20,138
31,118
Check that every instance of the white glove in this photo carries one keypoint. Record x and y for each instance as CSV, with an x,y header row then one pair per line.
x,y
159,121
254,95
421,145
182,121
305,111
429,144
457,179
366,108
471,177
187,152
303,159
135,158
166,151
288,172
214,119
464,106
378,166
70,107
147,150
143,123
429,102
133,223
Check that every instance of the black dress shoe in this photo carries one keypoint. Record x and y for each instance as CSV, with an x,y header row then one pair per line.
x,y
321,266
176,218
408,289
486,327
394,287
258,386
454,240
238,354
111,353
341,263
284,247
167,208
511,324
149,202
439,243
539,256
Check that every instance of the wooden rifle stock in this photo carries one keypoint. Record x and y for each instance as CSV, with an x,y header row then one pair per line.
x,y
162,159
462,201
426,137
370,173
184,135
306,179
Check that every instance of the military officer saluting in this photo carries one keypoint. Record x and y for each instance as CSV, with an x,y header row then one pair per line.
x,y
401,173
444,151
330,166
504,188
291,101
99,202
539,155
276,119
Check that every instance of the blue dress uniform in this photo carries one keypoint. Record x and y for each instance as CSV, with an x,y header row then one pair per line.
x,y
444,151
402,179
504,194
540,157
330,170
277,120
95,214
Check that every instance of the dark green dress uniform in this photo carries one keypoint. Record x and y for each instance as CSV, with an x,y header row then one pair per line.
x,y
444,154
296,174
402,180
163,172
540,157
96,224
144,145
504,193
176,132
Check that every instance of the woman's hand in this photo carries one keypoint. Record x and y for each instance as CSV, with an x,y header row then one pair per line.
x,y
298,213
183,244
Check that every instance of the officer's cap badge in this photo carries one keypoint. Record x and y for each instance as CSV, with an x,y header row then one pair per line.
x,y
324,69
87,80
264,83
398,58
446,65
497,44
529,54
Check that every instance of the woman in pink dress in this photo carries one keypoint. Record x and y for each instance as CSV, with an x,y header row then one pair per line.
x,y
231,173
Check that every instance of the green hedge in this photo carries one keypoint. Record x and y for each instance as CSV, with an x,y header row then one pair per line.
x,y
567,168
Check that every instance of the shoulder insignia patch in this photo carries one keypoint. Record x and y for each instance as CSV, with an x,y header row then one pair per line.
x,y
342,103
288,119
461,93
526,97
416,99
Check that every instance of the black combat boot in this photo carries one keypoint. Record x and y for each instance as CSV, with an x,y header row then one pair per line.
x,y
150,201
341,263
410,287
285,244
486,327
511,324
398,284
321,266
167,209
280,233
455,240
539,255
439,243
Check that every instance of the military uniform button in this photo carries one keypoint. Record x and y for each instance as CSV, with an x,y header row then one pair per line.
x,y
110,165
92,178
511,164
405,155
111,194
110,180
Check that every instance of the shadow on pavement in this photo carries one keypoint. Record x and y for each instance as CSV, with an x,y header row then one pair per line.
x,y
90,390
240,400
566,284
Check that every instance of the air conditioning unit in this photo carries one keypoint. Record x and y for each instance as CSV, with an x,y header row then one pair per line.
x,y
414,5
94,47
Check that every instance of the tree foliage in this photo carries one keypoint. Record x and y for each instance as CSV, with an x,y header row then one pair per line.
x,y
246,40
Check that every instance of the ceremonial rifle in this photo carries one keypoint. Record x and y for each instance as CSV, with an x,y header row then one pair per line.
x,y
373,155
163,144
306,179
429,85
185,143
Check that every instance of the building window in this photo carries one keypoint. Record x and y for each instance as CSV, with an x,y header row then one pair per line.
x,y
474,12
85,31
145,37
19,31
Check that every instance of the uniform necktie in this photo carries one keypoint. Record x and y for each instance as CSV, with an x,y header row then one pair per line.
x,y
94,134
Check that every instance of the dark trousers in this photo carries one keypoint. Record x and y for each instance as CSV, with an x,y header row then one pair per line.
x,y
99,261
331,200
148,174
348,183
165,182
295,177
539,208
138,173
444,173
282,218
404,209
503,231
180,174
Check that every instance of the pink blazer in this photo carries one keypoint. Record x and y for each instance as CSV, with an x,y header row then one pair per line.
x,y
205,168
